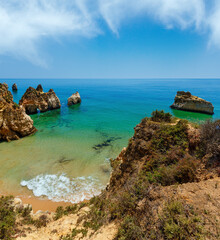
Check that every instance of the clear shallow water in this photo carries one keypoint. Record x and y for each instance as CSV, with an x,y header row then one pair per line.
x,y
62,161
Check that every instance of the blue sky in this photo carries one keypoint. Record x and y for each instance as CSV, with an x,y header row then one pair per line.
x,y
110,38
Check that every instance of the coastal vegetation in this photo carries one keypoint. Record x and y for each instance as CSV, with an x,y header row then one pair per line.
x,y
12,216
165,158
141,197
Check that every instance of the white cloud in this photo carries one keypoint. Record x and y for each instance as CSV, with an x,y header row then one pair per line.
x,y
24,23
180,13
214,24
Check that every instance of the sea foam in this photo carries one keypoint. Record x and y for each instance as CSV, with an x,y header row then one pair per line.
x,y
61,188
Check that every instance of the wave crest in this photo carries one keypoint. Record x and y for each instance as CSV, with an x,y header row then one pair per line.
x,y
61,188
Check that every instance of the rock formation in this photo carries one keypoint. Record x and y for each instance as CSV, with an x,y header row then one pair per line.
x,y
14,87
39,88
35,99
74,99
187,102
164,185
14,122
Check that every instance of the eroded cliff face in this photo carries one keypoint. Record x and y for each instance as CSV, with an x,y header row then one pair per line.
x,y
168,153
167,166
14,122
35,99
187,102
164,185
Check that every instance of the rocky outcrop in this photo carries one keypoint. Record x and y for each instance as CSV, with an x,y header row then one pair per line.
x,y
35,99
74,99
14,122
14,87
187,102
39,88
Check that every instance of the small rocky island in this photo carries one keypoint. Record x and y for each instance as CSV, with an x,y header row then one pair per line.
x,y
74,99
14,122
187,102
35,99
14,87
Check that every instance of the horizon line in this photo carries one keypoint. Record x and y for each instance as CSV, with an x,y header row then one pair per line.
x,y
153,78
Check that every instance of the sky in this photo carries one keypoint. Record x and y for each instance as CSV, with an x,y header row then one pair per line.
x,y
110,39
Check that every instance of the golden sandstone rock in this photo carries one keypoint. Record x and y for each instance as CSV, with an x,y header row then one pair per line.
x,y
14,122
187,102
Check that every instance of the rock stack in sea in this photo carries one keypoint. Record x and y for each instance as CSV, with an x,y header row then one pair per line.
x,y
14,87
187,102
35,99
74,99
14,122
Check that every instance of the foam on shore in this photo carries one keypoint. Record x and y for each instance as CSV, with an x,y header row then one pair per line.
x,y
61,188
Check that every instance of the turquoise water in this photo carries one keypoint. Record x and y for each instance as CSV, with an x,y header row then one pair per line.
x,y
68,158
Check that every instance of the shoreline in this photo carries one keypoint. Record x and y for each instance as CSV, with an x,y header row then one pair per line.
x,y
38,204
43,204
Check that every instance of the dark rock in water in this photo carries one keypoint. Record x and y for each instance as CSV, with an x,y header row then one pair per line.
x,y
14,122
33,100
65,160
105,143
74,99
39,88
105,169
187,102
14,87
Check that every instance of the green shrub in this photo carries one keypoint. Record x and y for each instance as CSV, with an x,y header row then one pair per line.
x,y
161,116
129,229
210,139
41,221
74,233
7,218
181,172
59,213
168,136
179,221
97,216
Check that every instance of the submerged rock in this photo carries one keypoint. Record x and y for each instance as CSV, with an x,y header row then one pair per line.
x,y
14,122
35,99
187,102
74,99
14,87
105,143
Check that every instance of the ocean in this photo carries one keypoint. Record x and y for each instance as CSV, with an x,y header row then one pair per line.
x,y
68,158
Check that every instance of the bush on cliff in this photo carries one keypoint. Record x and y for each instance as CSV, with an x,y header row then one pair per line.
x,y
168,136
161,116
179,221
210,140
7,218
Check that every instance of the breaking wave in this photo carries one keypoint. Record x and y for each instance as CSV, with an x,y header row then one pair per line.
x,y
61,188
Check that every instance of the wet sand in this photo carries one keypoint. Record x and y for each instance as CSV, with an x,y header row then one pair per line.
x,y
43,204
40,204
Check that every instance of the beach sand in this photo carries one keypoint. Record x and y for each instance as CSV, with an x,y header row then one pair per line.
x,y
43,204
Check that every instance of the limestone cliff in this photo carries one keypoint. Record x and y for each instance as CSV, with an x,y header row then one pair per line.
x,y
187,102
14,122
35,99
